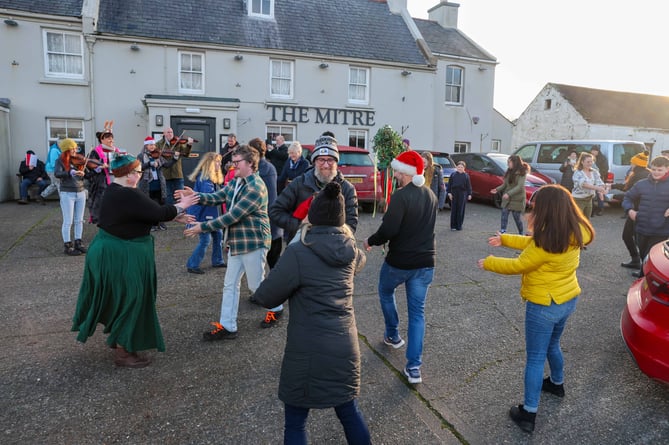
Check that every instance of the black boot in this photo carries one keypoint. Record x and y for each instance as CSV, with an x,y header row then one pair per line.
x,y
634,263
548,386
70,250
79,246
524,419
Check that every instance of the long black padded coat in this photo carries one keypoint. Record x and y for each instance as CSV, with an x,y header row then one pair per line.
x,y
321,362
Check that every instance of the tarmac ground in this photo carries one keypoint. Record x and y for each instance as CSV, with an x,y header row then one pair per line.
x,y
58,391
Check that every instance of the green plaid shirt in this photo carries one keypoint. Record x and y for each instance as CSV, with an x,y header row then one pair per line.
x,y
246,220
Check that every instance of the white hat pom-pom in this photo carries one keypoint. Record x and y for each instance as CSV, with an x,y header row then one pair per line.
x,y
418,180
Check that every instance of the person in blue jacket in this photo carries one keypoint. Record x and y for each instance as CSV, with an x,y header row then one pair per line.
x,y
207,176
647,204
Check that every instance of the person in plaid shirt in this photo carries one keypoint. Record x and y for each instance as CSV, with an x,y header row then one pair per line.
x,y
246,234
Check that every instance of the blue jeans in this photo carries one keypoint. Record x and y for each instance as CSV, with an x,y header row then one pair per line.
x,y
516,217
416,283
72,205
25,183
543,328
349,415
171,186
216,250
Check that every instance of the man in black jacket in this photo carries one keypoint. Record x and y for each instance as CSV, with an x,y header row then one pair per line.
x,y
32,172
279,155
291,206
408,228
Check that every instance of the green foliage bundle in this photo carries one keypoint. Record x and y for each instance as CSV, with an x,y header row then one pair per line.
x,y
387,145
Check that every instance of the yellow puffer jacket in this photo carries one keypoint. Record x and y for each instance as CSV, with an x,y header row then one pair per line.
x,y
545,276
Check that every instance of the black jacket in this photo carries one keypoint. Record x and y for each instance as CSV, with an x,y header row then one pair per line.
x,y
301,189
321,362
408,226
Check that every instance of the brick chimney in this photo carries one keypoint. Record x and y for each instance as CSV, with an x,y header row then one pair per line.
x,y
445,13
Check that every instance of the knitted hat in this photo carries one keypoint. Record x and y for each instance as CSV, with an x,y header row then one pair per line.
x,y
325,146
406,141
410,163
122,165
640,160
67,144
149,141
327,208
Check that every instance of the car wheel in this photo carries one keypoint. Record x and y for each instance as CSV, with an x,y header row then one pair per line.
x,y
497,200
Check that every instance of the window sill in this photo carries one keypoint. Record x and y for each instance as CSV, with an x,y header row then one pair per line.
x,y
64,81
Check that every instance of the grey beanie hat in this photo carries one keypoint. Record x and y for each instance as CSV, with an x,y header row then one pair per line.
x,y
325,146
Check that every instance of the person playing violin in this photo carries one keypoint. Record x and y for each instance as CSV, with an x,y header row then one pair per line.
x,y
152,183
178,148
70,172
100,177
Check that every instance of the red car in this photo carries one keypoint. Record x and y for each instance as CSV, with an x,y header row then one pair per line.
x,y
358,168
486,172
645,320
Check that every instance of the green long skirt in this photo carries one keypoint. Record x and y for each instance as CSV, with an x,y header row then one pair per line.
x,y
118,290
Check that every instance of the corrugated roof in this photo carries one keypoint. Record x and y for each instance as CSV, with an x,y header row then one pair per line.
x,y
450,41
70,8
362,29
616,107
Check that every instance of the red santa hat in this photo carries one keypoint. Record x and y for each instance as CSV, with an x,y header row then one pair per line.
x,y
149,140
410,163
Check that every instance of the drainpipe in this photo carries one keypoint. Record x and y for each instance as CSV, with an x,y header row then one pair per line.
x,y
90,44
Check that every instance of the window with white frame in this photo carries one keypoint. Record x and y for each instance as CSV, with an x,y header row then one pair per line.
x,y
281,79
63,54
461,147
58,129
191,72
287,131
357,138
358,85
260,8
454,84
496,145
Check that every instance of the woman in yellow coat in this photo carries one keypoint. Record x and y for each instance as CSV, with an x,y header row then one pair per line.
x,y
547,265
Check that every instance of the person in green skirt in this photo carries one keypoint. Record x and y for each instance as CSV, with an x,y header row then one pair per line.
x,y
118,288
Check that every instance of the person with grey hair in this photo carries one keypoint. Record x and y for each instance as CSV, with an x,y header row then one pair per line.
x,y
295,166
290,209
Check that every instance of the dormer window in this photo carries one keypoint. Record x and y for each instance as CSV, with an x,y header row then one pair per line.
x,y
261,8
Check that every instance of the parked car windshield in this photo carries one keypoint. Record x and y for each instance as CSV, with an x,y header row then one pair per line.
x,y
355,159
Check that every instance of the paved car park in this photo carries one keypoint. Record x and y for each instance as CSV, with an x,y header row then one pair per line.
x,y
54,390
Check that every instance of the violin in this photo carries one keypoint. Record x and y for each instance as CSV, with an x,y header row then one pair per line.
x,y
182,140
155,154
79,161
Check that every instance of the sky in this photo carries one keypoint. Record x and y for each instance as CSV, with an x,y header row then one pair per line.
x,y
617,45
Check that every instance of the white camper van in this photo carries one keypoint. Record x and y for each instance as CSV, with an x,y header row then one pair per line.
x,y
548,156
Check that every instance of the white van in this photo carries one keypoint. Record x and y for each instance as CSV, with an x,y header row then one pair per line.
x,y
548,156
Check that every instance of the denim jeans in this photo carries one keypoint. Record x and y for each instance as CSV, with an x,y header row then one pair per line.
x,y
72,205
171,186
25,183
543,328
516,217
348,413
253,265
216,250
416,283
53,186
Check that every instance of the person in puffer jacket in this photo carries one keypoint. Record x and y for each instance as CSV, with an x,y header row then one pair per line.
x,y
647,204
549,287
321,362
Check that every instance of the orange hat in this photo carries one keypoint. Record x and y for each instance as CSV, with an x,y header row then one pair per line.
x,y
640,160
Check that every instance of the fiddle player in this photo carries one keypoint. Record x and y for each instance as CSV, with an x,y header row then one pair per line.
x,y
152,183
72,196
173,147
100,177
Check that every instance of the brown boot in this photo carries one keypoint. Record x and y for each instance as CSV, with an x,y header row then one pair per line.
x,y
127,359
